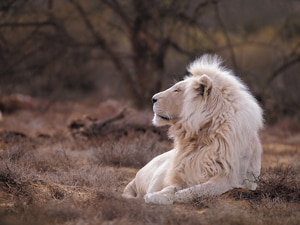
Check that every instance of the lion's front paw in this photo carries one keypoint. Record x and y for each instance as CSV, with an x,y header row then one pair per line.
x,y
158,198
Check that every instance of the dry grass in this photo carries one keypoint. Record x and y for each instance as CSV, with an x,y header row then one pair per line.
x,y
56,173
276,184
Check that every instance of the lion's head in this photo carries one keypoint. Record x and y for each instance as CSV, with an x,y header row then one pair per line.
x,y
210,97
168,105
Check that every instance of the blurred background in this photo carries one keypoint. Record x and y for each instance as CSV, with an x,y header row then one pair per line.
x,y
72,50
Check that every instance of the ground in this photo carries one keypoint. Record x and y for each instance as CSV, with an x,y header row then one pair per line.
x,y
68,163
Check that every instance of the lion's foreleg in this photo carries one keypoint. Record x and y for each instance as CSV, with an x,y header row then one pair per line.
x,y
210,188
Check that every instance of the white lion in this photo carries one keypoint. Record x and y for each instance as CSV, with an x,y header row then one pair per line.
x,y
214,122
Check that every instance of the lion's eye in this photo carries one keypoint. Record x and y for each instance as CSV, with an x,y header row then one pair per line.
x,y
176,90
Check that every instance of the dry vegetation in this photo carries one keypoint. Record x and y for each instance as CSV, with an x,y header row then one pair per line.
x,y
68,164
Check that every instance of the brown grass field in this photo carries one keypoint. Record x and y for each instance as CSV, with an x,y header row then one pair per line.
x,y
68,163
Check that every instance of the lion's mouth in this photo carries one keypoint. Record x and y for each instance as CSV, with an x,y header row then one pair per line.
x,y
164,117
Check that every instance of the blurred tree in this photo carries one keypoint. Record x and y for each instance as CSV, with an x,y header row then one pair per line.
x,y
135,35
151,29
75,45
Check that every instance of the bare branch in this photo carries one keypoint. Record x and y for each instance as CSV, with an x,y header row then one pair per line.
x,y
27,24
289,62
176,47
229,43
6,4
204,5
115,6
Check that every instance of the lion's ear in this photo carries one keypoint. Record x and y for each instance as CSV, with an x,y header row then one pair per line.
x,y
205,85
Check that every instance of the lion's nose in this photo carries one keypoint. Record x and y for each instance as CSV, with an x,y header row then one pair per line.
x,y
154,100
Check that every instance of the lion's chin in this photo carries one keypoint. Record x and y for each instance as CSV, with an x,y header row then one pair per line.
x,y
161,120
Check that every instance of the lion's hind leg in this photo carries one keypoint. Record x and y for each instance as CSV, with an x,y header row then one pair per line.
x,y
253,171
130,190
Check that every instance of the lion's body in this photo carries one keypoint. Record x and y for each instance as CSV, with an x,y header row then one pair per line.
x,y
214,122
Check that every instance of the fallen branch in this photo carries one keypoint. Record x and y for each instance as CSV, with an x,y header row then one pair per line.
x,y
89,125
